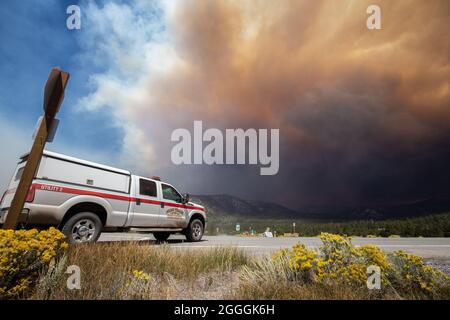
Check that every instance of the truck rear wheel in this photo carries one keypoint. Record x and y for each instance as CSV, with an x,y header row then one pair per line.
x,y
194,232
161,236
83,227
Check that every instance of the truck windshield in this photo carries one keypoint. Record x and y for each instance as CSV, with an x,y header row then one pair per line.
x,y
170,193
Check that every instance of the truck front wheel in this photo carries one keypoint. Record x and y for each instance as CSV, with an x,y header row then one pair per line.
x,y
194,232
83,227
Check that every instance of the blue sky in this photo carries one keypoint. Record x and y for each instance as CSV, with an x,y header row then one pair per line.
x,y
34,39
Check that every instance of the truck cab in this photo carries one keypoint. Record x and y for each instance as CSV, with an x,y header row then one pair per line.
x,y
83,198
161,205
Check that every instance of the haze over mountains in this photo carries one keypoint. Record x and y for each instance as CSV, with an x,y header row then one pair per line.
x,y
227,205
222,205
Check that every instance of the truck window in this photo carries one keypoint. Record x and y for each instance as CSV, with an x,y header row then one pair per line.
x,y
19,173
147,188
170,193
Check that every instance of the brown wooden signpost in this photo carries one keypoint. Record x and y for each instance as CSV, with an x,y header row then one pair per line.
x,y
53,97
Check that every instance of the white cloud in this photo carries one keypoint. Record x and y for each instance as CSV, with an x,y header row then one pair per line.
x,y
132,44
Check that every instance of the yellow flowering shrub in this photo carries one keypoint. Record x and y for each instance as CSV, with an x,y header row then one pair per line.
x,y
303,261
373,255
141,275
138,285
338,260
410,273
303,258
23,255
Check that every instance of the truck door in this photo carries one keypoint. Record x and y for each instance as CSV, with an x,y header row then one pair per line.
x,y
173,214
146,206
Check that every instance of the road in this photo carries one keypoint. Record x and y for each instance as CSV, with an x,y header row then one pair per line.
x,y
425,247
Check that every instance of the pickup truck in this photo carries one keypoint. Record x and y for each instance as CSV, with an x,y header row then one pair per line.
x,y
83,198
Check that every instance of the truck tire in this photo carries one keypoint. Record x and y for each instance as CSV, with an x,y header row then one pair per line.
x,y
83,227
194,232
161,236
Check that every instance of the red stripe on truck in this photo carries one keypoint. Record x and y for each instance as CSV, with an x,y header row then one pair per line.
x,y
51,188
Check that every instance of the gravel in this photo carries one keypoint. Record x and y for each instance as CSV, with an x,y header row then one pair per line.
x,y
440,264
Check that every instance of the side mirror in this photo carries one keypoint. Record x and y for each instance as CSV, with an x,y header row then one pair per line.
x,y
186,198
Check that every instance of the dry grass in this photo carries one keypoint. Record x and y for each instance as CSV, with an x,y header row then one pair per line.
x,y
284,290
107,272
169,273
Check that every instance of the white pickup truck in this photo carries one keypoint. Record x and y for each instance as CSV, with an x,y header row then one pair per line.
x,y
82,198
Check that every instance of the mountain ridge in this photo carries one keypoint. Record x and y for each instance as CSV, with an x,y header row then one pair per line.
x,y
228,205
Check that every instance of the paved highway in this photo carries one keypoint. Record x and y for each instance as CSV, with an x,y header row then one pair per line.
x,y
425,247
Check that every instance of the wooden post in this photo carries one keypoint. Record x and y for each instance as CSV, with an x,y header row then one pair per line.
x,y
27,176
53,97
